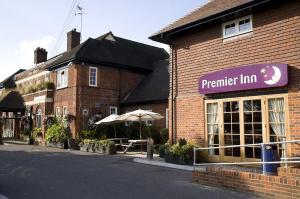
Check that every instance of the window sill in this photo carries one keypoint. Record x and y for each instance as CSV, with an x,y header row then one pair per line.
x,y
60,88
238,36
93,86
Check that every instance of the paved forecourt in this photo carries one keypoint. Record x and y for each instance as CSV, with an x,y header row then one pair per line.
x,y
41,172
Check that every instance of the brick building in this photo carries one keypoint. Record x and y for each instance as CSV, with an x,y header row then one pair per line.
x,y
234,80
93,78
219,42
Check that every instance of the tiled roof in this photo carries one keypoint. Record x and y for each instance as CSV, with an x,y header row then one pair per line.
x,y
119,52
213,7
154,88
10,82
11,101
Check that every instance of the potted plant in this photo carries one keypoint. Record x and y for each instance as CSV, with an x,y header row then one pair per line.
x,y
100,146
110,148
37,135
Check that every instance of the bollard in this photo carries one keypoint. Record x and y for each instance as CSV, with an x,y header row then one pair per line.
x,y
150,148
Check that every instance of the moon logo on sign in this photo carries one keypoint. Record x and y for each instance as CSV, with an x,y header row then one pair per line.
x,y
271,75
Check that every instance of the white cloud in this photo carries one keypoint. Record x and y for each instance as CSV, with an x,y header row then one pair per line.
x,y
26,49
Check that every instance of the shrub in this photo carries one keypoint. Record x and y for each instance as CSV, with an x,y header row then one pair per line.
x,y
111,148
57,133
36,132
87,134
162,149
179,154
164,134
187,153
182,142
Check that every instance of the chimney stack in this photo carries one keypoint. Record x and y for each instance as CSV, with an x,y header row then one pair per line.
x,y
40,55
73,39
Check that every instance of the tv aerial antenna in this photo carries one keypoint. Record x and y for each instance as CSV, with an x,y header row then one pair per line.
x,y
81,13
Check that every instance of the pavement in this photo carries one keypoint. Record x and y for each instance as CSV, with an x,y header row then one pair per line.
x,y
46,173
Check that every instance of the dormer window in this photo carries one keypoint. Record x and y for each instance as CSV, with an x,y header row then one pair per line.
x,y
237,27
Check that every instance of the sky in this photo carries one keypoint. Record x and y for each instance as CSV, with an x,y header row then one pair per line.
x,y
26,25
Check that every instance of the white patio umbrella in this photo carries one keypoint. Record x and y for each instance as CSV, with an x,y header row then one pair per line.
x,y
139,116
111,119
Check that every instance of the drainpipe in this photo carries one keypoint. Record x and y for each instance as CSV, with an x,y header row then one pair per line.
x,y
172,101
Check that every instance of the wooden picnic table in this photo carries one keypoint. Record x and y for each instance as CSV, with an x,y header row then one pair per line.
x,y
118,141
132,143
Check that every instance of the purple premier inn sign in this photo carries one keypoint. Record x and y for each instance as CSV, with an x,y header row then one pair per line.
x,y
244,78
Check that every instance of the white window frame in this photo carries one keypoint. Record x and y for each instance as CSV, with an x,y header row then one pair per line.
x,y
167,118
65,110
96,76
149,122
57,111
236,22
62,82
113,108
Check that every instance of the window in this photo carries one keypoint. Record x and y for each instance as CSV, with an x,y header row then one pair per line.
x,y
57,111
231,117
149,122
93,76
253,133
212,127
113,110
38,118
243,121
237,27
65,110
276,122
167,118
62,78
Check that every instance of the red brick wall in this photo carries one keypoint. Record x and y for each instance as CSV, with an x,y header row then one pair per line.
x,y
156,107
112,85
275,38
285,185
67,96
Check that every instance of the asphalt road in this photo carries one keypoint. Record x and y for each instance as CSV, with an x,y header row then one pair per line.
x,y
42,173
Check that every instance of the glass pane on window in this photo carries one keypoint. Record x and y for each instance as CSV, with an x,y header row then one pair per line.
x,y
227,128
257,139
234,106
235,128
227,117
236,140
227,107
256,105
235,118
212,108
257,128
248,139
257,117
249,152
228,152
227,140
248,128
236,152
216,139
248,117
273,139
247,105
257,152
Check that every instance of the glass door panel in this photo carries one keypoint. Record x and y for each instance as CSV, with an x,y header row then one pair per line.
x,y
212,128
231,121
276,121
252,111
